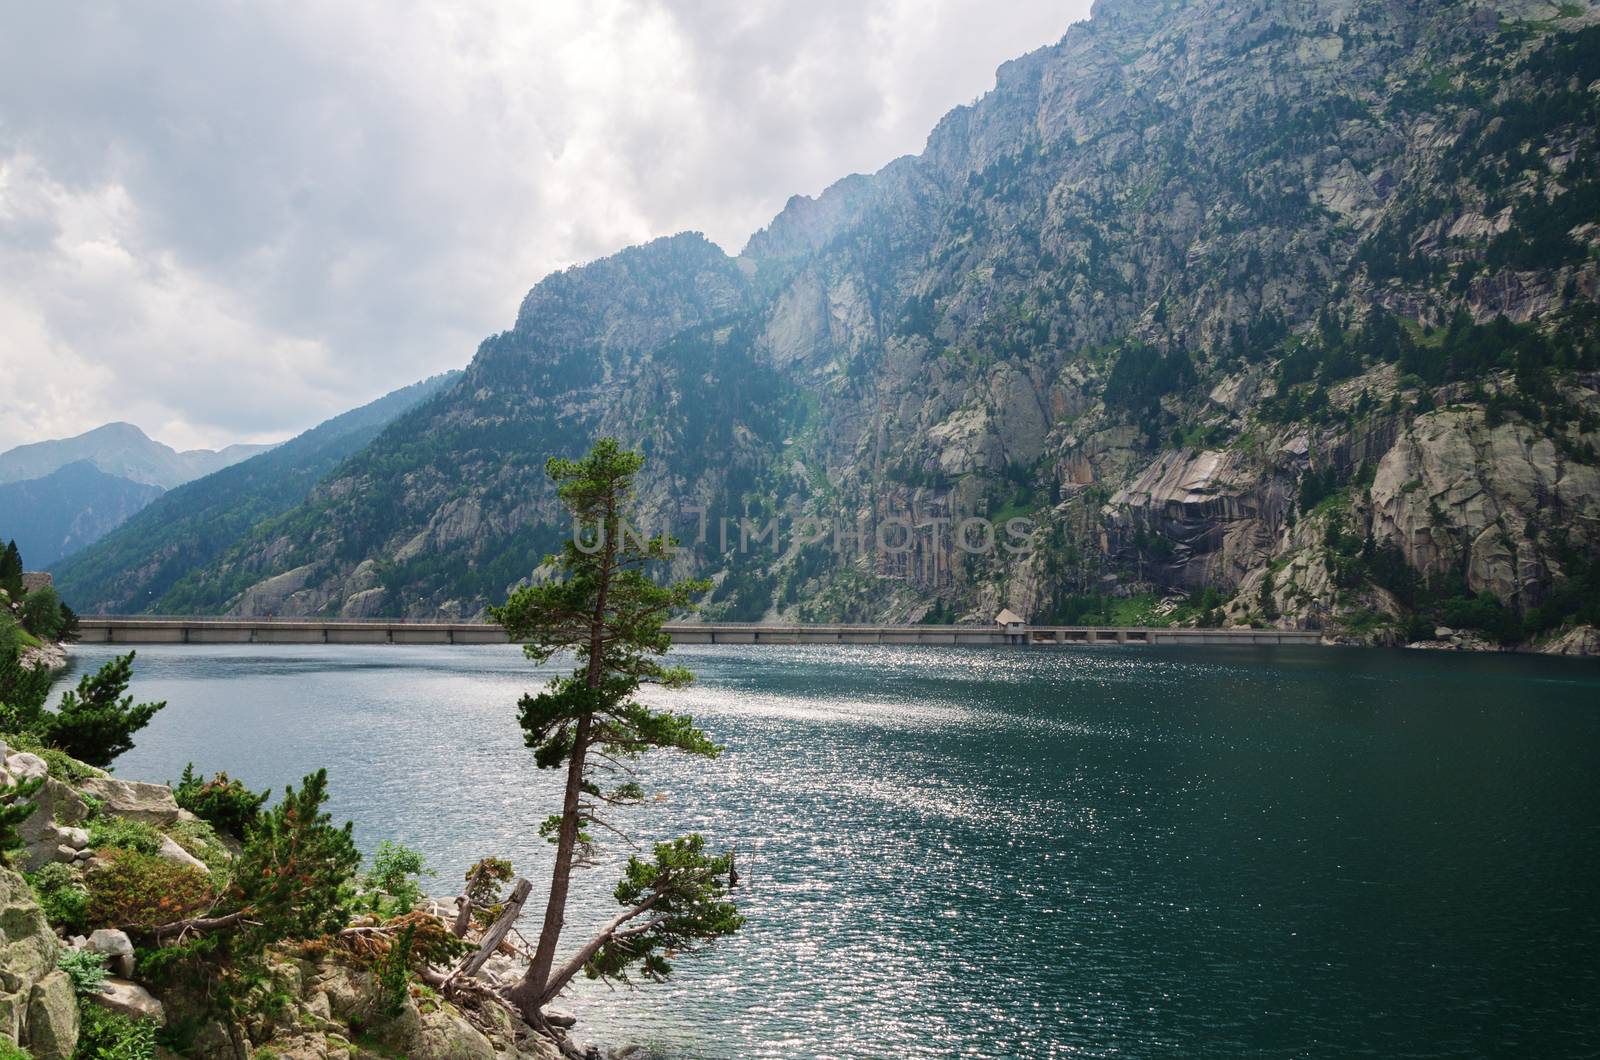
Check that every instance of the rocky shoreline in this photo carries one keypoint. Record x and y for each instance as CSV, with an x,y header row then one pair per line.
x,y
52,657
325,999
1576,642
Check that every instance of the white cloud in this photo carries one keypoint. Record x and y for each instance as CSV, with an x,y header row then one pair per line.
x,y
226,221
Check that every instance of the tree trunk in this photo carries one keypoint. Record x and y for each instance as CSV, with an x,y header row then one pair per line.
x,y
555,910
563,975
198,923
498,931
529,994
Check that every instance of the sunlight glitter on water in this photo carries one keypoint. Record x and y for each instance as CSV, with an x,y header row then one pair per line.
x,y
1014,852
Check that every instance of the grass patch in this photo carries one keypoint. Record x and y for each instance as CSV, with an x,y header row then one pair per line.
x,y
118,833
1134,611
1334,501
62,765
200,839
1365,621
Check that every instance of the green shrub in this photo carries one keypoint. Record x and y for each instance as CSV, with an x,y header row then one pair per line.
x,y
66,768
394,972
23,690
10,1051
297,868
62,896
226,803
135,890
484,882
1483,613
201,840
107,1035
86,969
110,831
11,570
395,870
41,613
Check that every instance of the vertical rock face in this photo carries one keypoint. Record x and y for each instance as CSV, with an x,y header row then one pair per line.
x,y
1192,257
35,1008
1456,494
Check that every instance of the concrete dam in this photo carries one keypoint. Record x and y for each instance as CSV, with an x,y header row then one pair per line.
x,y
139,630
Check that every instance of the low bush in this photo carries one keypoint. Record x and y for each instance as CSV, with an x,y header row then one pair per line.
x,y
394,972
201,840
107,1035
111,832
226,803
394,876
62,765
485,879
296,871
86,969
62,896
136,890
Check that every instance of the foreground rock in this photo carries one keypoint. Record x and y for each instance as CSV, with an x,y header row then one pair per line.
x,y
37,1009
51,832
131,1000
116,947
330,1007
52,1023
1584,640
151,803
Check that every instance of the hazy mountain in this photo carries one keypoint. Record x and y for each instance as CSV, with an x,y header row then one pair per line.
x,y
69,508
1292,302
123,450
135,567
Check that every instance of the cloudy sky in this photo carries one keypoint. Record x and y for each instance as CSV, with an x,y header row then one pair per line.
x,y
225,221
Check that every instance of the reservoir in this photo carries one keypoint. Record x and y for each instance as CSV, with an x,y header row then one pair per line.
x,y
1003,852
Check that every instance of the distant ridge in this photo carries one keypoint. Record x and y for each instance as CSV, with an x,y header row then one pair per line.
x,y
133,568
59,513
123,450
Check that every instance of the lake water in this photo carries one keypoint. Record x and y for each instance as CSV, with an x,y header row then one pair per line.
x,y
1015,852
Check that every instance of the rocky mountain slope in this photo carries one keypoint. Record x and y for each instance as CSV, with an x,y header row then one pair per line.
x,y
143,562
1253,312
73,506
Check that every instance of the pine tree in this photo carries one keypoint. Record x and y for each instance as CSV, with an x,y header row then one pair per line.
x,y
604,607
23,690
11,571
96,722
292,882
297,866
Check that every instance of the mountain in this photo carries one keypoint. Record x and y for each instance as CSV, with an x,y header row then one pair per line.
x,y
123,450
63,511
136,567
1278,313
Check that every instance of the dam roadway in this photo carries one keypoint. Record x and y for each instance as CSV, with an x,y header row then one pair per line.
x,y
154,630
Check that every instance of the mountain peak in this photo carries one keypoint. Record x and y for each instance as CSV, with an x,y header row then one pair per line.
x,y
122,449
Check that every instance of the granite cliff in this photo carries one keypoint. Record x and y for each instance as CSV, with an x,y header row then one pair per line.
x,y
1254,312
